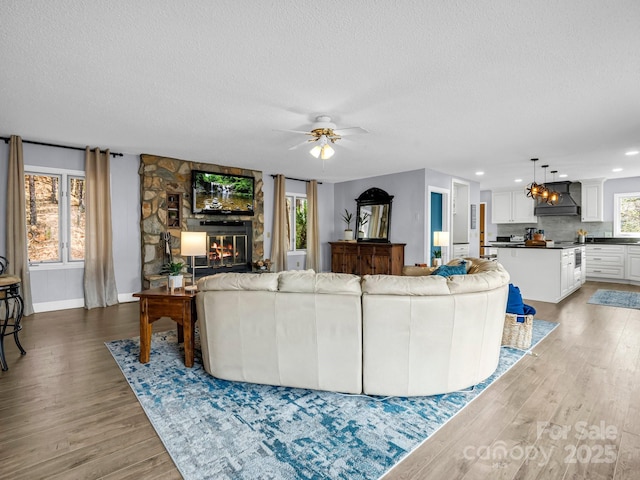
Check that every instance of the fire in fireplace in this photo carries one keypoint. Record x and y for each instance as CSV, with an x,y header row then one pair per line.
x,y
227,250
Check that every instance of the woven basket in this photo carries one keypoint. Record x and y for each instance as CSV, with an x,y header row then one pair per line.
x,y
517,331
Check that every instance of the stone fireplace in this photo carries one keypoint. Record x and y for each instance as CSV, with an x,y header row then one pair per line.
x,y
235,241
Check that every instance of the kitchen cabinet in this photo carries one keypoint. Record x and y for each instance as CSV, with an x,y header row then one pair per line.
x,y
360,258
460,250
542,274
512,207
606,261
567,273
592,200
633,263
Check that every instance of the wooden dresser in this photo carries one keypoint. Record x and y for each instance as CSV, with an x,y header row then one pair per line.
x,y
362,258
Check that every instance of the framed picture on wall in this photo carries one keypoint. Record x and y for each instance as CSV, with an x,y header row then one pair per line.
x,y
473,216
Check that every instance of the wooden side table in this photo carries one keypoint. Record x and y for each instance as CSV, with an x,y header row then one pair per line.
x,y
179,306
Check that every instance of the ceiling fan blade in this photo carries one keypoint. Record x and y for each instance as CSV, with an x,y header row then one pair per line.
x,y
350,131
303,143
295,131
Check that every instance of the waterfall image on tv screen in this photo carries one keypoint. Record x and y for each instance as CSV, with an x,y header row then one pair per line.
x,y
219,193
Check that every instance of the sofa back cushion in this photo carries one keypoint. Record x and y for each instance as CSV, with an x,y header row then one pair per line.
x,y
307,281
239,281
404,285
488,275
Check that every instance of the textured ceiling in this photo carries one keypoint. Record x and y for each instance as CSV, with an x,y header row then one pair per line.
x,y
456,86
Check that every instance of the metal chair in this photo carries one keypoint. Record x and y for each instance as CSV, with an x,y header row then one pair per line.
x,y
13,304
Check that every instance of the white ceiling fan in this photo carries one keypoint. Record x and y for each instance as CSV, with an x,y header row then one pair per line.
x,y
324,131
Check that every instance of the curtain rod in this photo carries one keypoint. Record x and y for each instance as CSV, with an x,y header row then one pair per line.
x,y
296,179
6,140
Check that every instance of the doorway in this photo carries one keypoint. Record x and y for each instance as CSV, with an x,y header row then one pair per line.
x,y
483,227
438,221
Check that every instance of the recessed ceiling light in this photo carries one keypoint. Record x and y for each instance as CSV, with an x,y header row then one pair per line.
x,y
563,175
518,180
480,173
616,170
632,152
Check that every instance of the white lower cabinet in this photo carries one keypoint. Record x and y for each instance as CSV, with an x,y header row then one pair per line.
x,y
567,273
633,263
460,250
543,274
606,261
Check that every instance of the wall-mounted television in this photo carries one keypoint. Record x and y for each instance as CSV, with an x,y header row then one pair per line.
x,y
221,193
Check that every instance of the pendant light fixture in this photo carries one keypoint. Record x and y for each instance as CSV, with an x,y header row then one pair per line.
x,y
554,196
535,190
544,195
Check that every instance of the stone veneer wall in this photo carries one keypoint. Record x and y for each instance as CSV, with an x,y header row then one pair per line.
x,y
162,175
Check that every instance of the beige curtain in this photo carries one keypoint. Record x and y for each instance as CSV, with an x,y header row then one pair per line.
x,y
280,243
99,278
17,254
313,232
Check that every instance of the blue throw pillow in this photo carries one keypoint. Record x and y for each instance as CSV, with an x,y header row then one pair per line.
x,y
448,270
514,300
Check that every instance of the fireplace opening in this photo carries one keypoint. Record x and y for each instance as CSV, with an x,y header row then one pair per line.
x,y
228,246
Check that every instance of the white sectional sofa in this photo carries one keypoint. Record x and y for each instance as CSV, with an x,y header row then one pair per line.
x,y
379,335
427,335
297,329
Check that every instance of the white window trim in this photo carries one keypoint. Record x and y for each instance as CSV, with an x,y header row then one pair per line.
x,y
616,214
65,173
295,252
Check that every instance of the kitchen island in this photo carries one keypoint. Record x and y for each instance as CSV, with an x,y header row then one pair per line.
x,y
545,274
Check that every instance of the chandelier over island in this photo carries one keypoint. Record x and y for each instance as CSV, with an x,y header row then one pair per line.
x,y
539,191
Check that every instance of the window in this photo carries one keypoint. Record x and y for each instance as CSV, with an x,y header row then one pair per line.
x,y
297,222
626,214
55,215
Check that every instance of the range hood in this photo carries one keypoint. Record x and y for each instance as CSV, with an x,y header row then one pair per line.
x,y
567,205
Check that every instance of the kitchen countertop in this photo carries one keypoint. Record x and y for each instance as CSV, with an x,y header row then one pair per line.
x,y
564,245
556,246
612,241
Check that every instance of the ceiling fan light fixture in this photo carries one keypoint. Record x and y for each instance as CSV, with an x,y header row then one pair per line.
x,y
323,150
315,151
327,152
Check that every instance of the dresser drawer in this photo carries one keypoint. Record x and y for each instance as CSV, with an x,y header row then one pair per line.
x,y
460,250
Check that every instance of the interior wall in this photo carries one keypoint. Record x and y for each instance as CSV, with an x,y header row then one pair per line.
x,y
407,208
441,180
325,220
56,288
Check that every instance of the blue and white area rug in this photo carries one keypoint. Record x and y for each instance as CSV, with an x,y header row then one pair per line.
x,y
616,298
229,430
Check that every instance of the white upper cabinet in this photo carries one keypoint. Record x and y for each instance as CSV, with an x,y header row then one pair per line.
x,y
512,207
593,200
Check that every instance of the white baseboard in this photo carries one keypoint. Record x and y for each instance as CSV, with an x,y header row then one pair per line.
x,y
75,303
127,297
58,305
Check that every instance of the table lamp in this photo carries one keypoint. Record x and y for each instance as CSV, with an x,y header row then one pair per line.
x,y
441,239
193,244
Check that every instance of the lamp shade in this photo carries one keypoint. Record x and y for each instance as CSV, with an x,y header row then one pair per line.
x,y
441,239
193,243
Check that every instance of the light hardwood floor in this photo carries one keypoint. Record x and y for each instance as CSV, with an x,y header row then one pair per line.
x,y
67,412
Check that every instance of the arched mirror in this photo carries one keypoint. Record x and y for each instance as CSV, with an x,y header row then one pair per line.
x,y
373,220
